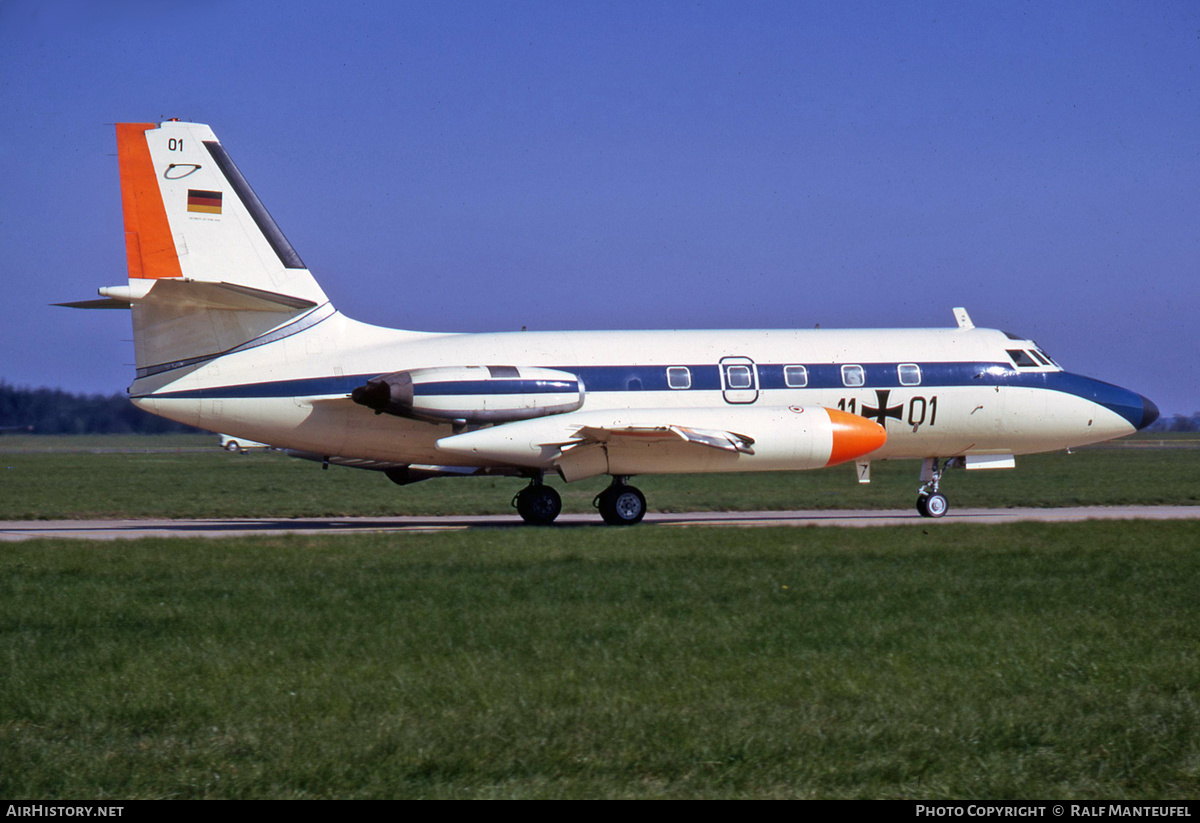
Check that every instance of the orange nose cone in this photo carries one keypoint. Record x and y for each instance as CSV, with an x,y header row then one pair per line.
x,y
853,436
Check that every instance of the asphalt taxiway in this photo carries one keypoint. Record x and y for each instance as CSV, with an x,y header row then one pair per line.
x,y
240,527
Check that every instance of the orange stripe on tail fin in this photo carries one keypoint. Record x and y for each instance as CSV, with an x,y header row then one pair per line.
x,y
149,248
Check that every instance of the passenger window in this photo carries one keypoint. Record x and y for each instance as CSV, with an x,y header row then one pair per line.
x,y
910,374
738,377
679,377
1022,359
853,376
795,377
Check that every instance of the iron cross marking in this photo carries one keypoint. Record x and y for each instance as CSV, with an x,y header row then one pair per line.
x,y
882,413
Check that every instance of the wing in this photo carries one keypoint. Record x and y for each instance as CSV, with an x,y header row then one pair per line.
x,y
676,440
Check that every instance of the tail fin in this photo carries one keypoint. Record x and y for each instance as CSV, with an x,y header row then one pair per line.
x,y
210,273
190,213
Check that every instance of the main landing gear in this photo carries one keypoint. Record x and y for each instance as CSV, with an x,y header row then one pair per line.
x,y
620,504
931,502
537,504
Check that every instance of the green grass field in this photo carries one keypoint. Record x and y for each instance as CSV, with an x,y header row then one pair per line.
x,y
187,476
1024,661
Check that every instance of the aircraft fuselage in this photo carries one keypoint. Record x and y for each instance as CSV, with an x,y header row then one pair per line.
x,y
935,391
232,333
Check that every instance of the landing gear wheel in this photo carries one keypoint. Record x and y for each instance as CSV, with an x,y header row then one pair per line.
x,y
621,505
932,505
538,505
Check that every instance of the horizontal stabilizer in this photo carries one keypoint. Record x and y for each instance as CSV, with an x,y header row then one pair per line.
x,y
224,296
196,295
102,303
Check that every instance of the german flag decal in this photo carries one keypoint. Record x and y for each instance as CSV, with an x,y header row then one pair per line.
x,y
208,202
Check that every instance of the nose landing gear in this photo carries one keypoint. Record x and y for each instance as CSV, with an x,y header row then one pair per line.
x,y
932,505
931,502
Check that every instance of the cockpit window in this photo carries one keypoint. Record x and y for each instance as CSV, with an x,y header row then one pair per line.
x,y
1040,353
1022,359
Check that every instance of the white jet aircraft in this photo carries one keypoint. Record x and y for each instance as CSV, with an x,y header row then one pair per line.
x,y
234,335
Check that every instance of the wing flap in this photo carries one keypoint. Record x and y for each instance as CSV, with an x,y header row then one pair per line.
x,y
713,438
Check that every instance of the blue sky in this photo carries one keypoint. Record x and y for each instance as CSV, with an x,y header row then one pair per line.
x,y
471,166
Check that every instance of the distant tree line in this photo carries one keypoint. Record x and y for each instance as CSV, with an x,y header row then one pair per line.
x,y
54,411
1177,423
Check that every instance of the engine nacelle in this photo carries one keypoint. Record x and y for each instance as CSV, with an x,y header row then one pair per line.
x,y
474,394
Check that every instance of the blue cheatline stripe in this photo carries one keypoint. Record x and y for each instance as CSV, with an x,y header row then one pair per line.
x,y
706,377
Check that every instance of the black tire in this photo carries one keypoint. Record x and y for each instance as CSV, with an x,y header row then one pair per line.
x,y
622,505
933,505
538,505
